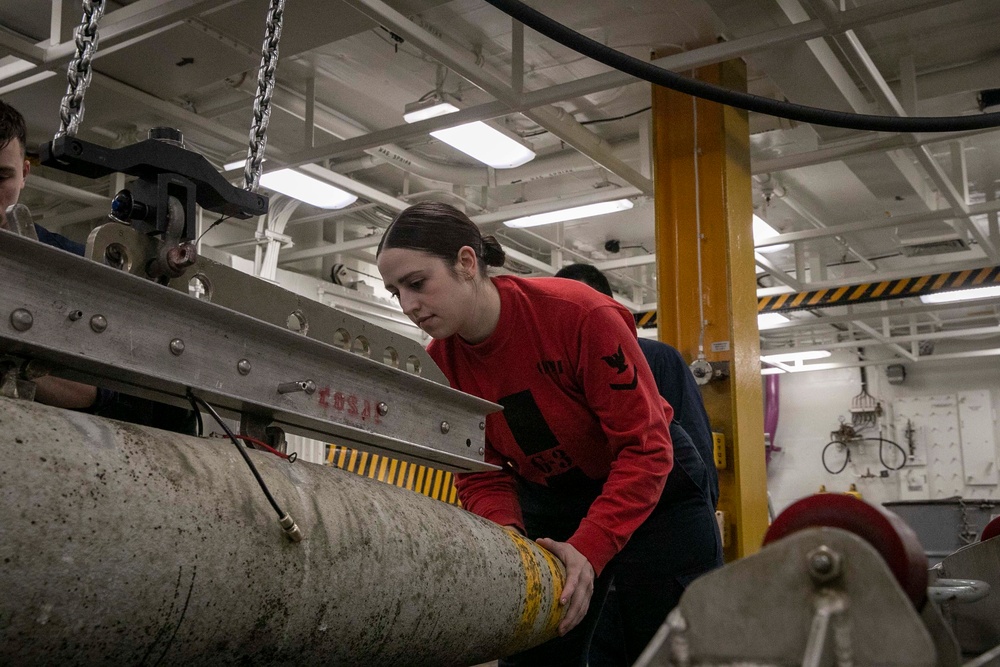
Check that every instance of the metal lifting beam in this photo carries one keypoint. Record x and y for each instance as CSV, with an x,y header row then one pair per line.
x,y
116,330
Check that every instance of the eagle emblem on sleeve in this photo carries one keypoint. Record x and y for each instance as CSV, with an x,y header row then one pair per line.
x,y
617,361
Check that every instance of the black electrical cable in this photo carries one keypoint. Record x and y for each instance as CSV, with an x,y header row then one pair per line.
x,y
594,121
881,458
197,414
608,120
800,112
210,228
847,457
243,453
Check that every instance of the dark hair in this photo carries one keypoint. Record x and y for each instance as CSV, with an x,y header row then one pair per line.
x,y
588,274
440,230
12,126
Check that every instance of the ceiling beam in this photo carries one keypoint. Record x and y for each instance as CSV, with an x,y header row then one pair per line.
x,y
555,121
684,61
877,223
924,359
330,249
138,20
777,273
885,340
69,192
878,86
871,342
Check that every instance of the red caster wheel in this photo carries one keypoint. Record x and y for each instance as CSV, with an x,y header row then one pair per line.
x,y
890,535
991,530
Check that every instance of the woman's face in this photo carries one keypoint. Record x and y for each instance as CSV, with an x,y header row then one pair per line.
x,y
435,296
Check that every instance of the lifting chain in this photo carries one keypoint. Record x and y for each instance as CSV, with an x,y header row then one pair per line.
x,y
79,72
265,89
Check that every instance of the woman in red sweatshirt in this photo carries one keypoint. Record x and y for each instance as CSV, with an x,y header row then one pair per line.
x,y
584,441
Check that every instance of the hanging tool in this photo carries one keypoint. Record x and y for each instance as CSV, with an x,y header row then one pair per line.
x,y
865,408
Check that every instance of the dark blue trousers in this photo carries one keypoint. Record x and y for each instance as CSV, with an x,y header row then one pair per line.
x,y
632,597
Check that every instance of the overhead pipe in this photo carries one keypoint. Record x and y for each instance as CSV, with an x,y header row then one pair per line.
x,y
69,192
487,221
127,545
771,409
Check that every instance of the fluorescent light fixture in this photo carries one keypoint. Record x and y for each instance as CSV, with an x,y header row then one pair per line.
x,y
798,368
794,357
477,139
762,232
770,319
486,144
431,108
961,295
574,213
306,189
238,164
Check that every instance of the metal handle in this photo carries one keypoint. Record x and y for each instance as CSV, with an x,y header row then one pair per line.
x,y
958,590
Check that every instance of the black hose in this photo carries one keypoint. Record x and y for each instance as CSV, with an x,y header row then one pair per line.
x,y
243,452
197,415
847,457
800,112
881,442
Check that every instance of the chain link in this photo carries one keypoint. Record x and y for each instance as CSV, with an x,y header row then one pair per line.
x,y
265,89
79,71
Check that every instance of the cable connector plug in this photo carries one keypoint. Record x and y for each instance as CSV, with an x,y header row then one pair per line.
x,y
291,528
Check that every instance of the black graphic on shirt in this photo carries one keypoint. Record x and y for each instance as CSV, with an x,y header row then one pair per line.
x,y
533,435
618,362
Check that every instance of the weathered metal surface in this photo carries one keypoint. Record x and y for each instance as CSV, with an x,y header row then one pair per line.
x,y
762,610
131,334
126,545
265,301
976,623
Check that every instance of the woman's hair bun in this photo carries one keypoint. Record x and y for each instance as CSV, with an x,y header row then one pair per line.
x,y
493,254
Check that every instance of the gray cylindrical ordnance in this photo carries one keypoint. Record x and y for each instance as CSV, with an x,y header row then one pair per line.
x,y
127,545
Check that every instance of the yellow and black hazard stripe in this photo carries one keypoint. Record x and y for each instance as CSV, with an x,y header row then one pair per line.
x,y
864,293
881,291
645,320
431,482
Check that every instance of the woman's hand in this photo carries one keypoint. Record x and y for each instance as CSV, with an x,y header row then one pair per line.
x,y
579,582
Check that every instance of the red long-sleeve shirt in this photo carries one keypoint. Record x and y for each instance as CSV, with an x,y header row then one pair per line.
x,y
577,395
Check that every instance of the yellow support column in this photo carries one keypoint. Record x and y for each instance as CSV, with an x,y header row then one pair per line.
x,y
721,285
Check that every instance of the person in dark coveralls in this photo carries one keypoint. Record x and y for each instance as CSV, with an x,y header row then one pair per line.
x,y
590,466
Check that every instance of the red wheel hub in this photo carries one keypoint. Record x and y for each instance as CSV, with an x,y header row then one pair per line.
x,y
894,540
991,530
